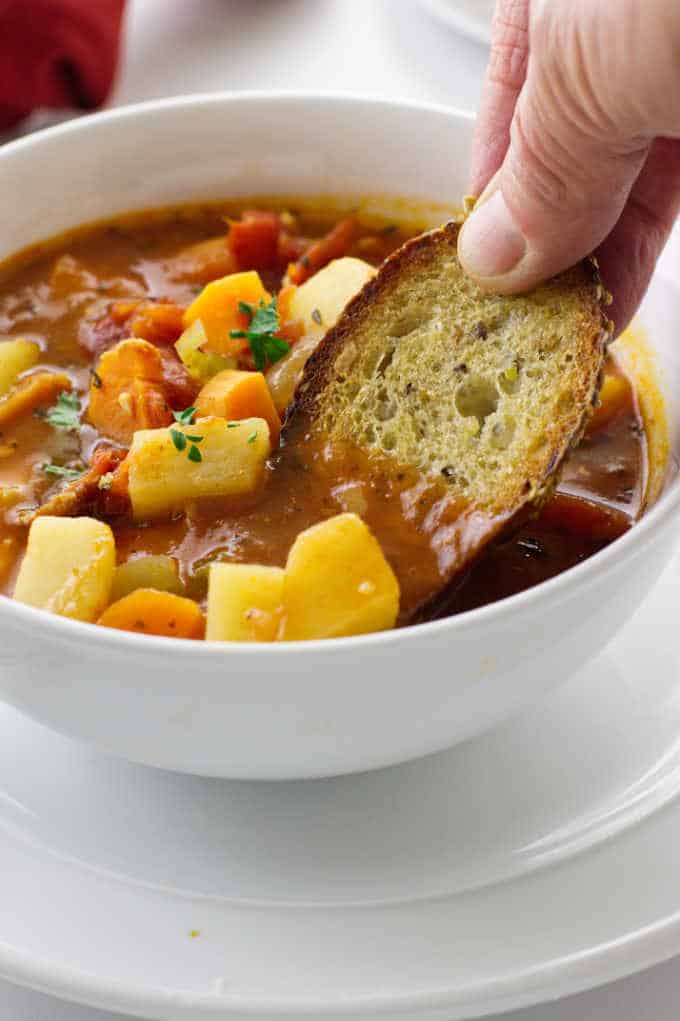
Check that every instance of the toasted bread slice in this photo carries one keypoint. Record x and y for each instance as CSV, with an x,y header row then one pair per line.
x,y
482,395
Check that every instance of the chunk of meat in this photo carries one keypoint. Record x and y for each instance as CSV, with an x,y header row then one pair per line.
x,y
99,334
334,245
35,391
180,388
129,391
88,495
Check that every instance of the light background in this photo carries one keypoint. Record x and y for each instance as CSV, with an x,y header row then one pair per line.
x,y
385,47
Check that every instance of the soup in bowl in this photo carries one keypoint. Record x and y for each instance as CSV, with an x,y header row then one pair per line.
x,y
191,593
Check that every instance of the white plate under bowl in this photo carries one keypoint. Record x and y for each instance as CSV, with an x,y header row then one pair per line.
x,y
534,862
471,17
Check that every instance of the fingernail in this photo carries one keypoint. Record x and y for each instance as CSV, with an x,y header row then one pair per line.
x,y
490,244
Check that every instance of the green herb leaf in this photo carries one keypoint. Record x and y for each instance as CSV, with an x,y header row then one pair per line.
x,y
194,454
179,439
252,437
193,439
61,472
65,414
233,425
185,417
261,333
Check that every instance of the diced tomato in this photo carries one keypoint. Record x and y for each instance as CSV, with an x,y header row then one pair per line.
x,y
334,245
291,248
254,239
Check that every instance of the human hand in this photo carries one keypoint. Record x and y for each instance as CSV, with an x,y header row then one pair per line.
x,y
577,146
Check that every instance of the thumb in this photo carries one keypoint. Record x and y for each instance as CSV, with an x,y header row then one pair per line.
x,y
577,146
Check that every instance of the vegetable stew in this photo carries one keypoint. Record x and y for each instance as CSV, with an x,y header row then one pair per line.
x,y
145,367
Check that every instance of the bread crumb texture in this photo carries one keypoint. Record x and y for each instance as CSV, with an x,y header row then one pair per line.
x,y
484,391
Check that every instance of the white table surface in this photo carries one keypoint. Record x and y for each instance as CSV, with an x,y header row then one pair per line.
x,y
386,47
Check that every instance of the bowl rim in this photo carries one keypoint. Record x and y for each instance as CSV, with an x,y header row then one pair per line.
x,y
556,589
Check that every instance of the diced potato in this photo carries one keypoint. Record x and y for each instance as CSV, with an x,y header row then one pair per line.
x,y
324,296
68,567
156,572
16,356
150,612
217,308
338,582
201,365
236,395
244,603
317,304
163,479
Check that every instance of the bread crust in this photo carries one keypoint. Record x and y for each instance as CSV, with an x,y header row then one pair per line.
x,y
591,330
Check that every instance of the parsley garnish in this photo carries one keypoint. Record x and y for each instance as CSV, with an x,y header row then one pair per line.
x,y
65,414
61,472
252,437
185,417
181,439
261,333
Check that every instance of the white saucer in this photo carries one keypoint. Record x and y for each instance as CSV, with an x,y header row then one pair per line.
x,y
471,17
537,861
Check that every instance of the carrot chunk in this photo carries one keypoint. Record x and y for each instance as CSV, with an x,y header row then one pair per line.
x,y
128,391
35,391
217,306
149,611
334,245
235,395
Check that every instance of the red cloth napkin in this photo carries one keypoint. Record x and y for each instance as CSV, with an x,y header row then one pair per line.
x,y
57,54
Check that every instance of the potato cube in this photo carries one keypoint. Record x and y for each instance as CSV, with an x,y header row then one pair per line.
x,y
16,356
319,301
68,567
244,603
156,572
163,478
338,582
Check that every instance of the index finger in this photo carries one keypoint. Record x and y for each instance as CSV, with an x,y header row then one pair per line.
x,y
505,76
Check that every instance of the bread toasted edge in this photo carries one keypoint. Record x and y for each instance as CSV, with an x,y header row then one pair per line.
x,y
405,260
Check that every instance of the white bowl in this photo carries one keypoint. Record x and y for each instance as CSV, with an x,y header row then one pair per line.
x,y
318,708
